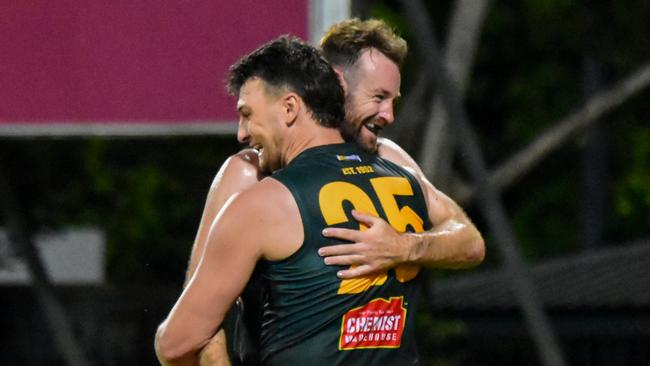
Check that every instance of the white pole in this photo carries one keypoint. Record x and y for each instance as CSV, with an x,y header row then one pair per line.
x,y
324,13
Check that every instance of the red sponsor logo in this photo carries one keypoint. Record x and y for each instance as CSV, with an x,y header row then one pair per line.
x,y
378,324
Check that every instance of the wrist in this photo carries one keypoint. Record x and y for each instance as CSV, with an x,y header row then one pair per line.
x,y
414,247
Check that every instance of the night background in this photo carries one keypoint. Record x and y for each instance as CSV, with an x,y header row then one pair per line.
x,y
560,85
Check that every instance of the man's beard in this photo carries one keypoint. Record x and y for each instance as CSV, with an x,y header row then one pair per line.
x,y
348,131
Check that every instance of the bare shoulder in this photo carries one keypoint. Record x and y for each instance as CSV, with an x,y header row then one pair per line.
x,y
248,156
270,189
269,199
268,214
241,166
238,173
391,151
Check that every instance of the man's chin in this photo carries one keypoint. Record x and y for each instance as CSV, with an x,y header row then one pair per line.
x,y
268,167
367,142
264,167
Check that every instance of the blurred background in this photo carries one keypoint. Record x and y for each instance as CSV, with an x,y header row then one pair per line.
x,y
532,114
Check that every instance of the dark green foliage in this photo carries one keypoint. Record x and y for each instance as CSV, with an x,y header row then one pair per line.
x,y
146,194
631,179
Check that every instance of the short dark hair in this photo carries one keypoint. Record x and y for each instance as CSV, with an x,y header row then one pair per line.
x,y
344,42
288,62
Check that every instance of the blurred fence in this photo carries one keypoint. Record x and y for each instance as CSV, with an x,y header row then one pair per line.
x,y
115,326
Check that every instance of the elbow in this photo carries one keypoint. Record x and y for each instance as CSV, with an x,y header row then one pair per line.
x,y
166,348
170,350
476,251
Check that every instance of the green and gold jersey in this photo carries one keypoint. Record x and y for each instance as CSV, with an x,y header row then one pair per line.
x,y
310,316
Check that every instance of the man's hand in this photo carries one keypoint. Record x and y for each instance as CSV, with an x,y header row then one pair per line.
x,y
376,249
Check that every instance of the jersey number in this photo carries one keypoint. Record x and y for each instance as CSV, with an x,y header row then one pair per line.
x,y
331,198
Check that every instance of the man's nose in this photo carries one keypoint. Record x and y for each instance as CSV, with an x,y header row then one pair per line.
x,y
386,113
242,132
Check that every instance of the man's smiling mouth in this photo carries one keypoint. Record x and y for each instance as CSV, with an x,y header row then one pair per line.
x,y
373,127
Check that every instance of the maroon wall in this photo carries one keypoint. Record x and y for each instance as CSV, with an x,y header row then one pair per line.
x,y
90,61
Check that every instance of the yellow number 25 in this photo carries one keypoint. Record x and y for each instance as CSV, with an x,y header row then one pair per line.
x,y
331,198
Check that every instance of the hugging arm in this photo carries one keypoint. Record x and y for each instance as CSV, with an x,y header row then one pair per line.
x,y
238,173
229,256
453,242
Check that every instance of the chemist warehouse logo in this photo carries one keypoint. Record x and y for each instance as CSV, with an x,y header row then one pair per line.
x,y
378,324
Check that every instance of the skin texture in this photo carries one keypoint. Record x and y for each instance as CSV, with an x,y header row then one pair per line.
x,y
238,173
282,127
213,352
372,86
258,114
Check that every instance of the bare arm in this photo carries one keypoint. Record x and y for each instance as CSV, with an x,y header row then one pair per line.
x,y
230,254
453,242
238,173
215,352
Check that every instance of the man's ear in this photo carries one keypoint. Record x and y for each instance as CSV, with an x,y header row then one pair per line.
x,y
291,105
344,84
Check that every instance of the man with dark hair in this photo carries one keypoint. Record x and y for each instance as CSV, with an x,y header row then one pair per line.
x,y
310,316
366,55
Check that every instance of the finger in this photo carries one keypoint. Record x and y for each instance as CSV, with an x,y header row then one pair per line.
x,y
343,260
365,219
340,233
341,249
357,271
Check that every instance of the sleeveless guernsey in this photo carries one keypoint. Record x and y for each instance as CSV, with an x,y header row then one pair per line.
x,y
310,316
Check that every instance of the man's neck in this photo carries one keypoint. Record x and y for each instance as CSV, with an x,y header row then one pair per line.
x,y
313,137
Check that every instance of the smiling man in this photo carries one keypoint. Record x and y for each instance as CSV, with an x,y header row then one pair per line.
x,y
291,105
366,55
